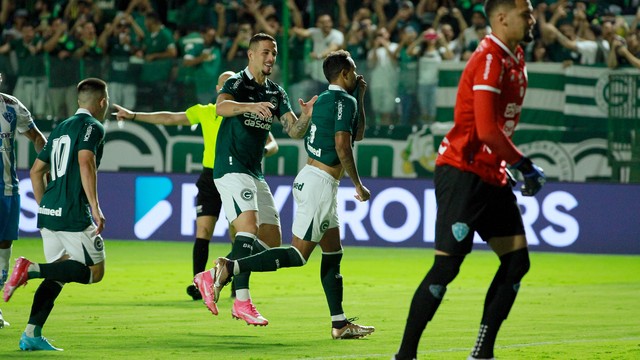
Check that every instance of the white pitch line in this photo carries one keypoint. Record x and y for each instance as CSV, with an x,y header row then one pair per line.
x,y
542,343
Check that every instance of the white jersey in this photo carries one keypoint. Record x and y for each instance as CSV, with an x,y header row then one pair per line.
x,y
13,116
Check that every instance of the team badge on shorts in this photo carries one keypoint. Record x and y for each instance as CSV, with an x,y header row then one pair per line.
x,y
460,231
324,226
246,194
98,243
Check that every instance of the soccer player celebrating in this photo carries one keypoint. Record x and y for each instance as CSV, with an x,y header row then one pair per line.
x,y
14,117
208,203
338,120
249,101
472,183
69,217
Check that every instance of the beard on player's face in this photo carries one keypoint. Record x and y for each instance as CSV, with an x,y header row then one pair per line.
x,y
528,36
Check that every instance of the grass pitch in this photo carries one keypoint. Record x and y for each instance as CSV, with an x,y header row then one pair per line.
x,y
569,307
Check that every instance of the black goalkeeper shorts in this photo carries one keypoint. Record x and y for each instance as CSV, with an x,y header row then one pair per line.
x,y
467,204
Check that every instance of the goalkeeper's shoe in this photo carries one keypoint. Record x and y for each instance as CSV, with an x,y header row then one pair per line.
x,y
473,358
3,322
28,343
222,276
192,291
19,276
204,283
246,311
352,331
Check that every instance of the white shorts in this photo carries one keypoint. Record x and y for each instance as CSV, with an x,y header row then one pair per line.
x,y
242,192
82,246
316,194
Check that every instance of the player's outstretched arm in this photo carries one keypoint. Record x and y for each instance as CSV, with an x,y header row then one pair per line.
x,y
165,118
295,126
226,106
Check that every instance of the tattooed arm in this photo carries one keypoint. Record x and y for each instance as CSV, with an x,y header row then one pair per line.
x,y
297,127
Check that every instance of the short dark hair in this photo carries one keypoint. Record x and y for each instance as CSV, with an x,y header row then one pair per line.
x,y
92,87
255,39
335,63
491,5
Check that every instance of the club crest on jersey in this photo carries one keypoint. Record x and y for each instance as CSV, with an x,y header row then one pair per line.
x,y
246,194
274,102
10,115
460,231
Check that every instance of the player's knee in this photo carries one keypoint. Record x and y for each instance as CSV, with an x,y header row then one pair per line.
x,y
517,264
97,273
443,271
445,268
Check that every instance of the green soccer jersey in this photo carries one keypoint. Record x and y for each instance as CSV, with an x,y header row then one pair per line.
x,y
241,138
64,205
335,110
29,64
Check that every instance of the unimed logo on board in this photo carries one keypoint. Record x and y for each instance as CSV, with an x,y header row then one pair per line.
x,y
152,208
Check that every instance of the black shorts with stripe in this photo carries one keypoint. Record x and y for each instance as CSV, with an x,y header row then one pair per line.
x,y
467,204
208,202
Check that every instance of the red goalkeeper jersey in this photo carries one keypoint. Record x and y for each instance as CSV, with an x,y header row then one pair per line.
x,y
488,105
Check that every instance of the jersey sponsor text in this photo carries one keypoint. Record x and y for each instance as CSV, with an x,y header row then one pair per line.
x,y
51,212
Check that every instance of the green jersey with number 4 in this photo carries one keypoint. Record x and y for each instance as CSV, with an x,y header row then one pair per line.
x,y
241,138
64,205
335,110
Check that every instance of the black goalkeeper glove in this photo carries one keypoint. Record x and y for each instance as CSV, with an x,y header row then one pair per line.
x,y
533,176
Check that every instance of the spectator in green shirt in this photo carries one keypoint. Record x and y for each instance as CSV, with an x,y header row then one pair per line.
x,y
31,86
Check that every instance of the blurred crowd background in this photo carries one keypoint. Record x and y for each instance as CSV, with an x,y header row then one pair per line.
x,y
167,54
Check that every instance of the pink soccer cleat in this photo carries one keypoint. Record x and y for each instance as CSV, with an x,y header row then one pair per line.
x,y
246,311
204,283
19,276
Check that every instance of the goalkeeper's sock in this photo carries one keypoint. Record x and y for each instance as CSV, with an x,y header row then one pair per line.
x,y
426,301
500,298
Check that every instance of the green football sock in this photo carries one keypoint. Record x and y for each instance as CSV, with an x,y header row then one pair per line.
x,y
332,281
271,260
242,247
66,271
43,301
259,246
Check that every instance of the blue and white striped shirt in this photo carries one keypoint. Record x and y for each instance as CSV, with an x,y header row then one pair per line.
x,y
13,116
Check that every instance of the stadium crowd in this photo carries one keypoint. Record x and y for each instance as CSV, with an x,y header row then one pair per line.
x,y
169,53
